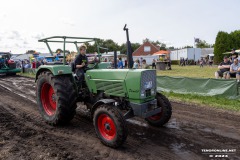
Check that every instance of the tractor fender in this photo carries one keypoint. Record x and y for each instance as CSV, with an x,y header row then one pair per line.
x,y
101,101
54,69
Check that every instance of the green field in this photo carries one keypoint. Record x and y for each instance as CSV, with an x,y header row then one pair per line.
x,y
189,71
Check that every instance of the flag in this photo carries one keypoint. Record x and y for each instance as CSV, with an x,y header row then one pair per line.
x,y
196,40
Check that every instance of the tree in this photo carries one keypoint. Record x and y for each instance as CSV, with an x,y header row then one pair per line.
x,y
123,47
146,40
111,45
203,44
90,48
222,44
235,39
187,46
171,48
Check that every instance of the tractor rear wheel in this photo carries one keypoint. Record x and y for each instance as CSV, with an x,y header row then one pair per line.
x,y
110,126
11,74
56,98
166,112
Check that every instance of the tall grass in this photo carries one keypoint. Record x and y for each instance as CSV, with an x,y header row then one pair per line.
x,y
189,71
211,101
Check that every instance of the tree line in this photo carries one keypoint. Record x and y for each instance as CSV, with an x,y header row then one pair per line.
x,y
225,42
110,45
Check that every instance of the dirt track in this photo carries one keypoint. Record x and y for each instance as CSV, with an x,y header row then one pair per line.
x,y
24,135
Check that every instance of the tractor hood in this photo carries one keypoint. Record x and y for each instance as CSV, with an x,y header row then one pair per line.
x,y
130,83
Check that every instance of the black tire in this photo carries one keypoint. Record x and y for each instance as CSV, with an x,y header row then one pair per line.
x,y
11,74
56,98
114,131
164,116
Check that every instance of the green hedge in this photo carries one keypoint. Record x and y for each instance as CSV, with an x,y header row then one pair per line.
x,y
175,62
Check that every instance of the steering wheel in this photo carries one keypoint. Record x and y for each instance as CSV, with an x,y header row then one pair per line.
x,y
89,68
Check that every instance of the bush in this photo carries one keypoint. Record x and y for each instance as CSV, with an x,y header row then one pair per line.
x,y
175,62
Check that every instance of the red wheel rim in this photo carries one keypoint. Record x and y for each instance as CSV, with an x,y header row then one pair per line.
x,y
156,116
48,99
106,127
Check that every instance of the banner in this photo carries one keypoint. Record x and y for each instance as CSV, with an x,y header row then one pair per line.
x,y
199,86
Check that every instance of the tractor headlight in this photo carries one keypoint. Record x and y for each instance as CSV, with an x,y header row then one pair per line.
x,y
153,92
143,94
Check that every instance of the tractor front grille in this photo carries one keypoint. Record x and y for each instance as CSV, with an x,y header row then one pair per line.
x,y
148,81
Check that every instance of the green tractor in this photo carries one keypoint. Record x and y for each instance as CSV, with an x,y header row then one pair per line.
x,y
8,66
111,95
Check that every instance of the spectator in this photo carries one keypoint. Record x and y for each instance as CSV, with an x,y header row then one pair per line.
x,y
38,64
140,62
153,64
126,63
182,62
210,62
112,64
223,67
136,64
234,70
120,63
169,64
145,65
233,55
201,62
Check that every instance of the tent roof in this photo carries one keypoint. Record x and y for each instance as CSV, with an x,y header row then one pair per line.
x,y
161,52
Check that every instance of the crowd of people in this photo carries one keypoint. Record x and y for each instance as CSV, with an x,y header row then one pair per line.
x,y
138,64
229,67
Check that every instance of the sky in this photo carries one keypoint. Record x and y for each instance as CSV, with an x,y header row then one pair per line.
x,y
174,22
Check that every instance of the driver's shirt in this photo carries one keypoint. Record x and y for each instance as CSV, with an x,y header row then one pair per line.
x,y
80,59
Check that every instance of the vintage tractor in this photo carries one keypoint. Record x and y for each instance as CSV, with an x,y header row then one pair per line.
x,y
111,96
8,66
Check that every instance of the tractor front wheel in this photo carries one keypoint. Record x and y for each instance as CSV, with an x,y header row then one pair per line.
x,y
110,126
56,98
166,112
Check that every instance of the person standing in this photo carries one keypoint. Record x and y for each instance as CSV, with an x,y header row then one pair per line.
x,y
120,63
136,64
126,63
144,64
233,55
153,63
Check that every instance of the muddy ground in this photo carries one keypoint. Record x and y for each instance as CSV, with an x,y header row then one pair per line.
x,y
24,135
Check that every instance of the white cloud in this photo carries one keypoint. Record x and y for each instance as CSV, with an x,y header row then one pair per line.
x,y
13,35
38,36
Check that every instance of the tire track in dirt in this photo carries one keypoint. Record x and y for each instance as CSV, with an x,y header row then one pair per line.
x,y
81,131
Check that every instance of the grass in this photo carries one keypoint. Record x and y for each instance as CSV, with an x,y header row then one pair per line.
x,y
213,101
31,75
189,71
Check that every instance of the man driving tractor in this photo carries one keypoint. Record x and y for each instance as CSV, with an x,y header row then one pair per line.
x,y
81,62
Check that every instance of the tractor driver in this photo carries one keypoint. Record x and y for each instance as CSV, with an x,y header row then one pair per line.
x,y
81,62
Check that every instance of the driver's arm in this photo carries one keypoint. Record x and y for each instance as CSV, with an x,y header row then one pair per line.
x,y
80,65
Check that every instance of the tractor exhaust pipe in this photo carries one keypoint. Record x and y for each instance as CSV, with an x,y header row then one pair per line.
x,y
129,49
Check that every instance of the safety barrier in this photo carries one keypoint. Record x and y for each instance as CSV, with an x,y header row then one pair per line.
x,y
199,86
